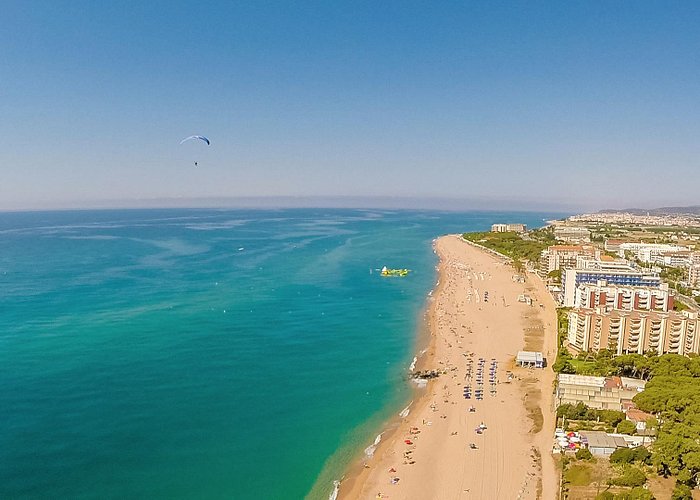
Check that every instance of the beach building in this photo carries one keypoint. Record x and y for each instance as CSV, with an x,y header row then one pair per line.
x,y
506,228
530,359
572,234
601,393
624,298
611,272
630,332
602,444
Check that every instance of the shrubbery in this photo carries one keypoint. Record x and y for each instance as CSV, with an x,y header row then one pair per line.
x,y
630,477
672,393
626,427
630,455
634,494
682,492
511,244
580,411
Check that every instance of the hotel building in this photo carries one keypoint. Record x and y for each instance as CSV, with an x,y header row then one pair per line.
x,y
572,234
623,298
612,273
505,228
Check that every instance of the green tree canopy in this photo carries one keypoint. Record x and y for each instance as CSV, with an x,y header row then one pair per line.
x,y
626,427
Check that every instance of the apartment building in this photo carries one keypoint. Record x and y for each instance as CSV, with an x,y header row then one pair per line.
x,y
613,273
694,275
657,253
626,298
628,332
695,259
572,234
563,256
613,246
505,228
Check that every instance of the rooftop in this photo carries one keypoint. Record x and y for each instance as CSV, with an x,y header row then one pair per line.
x,y
599,439
613,382
566,378
529,357
637,415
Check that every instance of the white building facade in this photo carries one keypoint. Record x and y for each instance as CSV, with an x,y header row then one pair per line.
x,y
658,253
624,298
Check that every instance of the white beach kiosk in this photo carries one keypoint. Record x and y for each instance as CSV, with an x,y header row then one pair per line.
x,y
530,359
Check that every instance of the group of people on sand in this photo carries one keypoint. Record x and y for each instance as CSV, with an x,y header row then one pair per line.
x,y
465,327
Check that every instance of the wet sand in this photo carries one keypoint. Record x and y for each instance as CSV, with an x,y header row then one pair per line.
x,y
474,314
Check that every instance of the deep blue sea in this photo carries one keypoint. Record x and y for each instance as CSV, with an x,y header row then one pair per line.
x,y
233,354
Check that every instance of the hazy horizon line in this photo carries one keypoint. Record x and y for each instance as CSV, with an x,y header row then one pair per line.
x,y
331,201
298,201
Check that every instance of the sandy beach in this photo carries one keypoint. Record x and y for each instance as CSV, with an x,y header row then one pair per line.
x,y
477,326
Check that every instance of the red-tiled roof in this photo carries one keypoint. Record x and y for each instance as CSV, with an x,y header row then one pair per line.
x,y
637,415
613,382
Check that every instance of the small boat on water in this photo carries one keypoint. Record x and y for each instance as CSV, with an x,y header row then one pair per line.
x,y
394,272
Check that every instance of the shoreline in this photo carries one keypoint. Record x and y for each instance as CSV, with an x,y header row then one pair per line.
x,y
424,345
334,486
368,476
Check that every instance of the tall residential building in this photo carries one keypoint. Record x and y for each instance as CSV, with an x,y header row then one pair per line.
x,y
694,275
695,259
563,256
505,228
627,332
572,234
624,298
613,273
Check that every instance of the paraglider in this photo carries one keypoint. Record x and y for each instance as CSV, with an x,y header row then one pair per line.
x,y
198,137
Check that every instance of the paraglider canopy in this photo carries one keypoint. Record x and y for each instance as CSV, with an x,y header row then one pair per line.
x,y
200,137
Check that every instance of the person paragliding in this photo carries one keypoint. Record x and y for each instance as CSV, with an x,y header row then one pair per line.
x,y
197,137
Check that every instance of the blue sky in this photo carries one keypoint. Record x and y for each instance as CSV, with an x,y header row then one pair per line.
x,y
572,104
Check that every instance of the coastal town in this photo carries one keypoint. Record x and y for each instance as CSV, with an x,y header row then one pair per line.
x,y
627,287
590,331
333,250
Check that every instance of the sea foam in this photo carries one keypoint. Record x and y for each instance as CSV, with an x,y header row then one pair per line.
x,y
336,489
369,451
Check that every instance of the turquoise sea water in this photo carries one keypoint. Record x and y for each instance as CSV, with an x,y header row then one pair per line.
x,y
205,353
